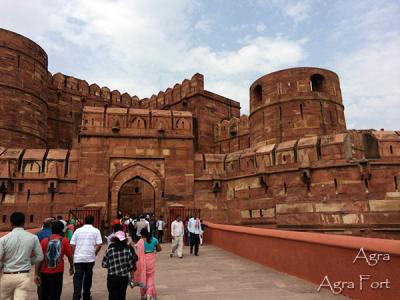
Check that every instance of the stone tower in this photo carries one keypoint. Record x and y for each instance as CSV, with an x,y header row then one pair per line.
x,y
23,92
294,103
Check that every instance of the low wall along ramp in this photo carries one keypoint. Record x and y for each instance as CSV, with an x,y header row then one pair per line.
x,y
361,268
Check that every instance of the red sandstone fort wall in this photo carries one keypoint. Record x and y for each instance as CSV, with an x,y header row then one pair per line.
x,y
292,163
319,182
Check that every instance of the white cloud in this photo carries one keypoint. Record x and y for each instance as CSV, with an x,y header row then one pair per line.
x,y
260,27
203,25
370,71
136,47
298,11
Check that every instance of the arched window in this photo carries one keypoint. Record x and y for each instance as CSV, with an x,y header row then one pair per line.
x,y
138,123
317,83
391,149
257,93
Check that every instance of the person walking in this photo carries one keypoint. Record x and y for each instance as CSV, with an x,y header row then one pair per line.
x,y
140,225
65,223
86,243
160,225
152,224
120,260
177,232
19,251
70,229
146,266
49,274
203,228
194,228
45,232
186,232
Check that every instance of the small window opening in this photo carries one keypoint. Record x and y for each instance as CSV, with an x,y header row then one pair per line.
x,y
28,195
366,185
301,111
317,83
285,189
257,92
20,187
391,149
307,179
396,188
136,190
284,157
280,113
336,185
31,218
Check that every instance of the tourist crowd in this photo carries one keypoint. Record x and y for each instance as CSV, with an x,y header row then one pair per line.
x,y
130,257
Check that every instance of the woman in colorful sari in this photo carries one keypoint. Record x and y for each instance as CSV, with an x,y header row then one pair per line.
x,y
146,265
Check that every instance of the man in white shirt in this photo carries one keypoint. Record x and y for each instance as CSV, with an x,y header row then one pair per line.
x,y
86,243
160,225
140,225
194,228
177,231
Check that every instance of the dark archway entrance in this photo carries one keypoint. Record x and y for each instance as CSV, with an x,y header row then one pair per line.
x,y
136,196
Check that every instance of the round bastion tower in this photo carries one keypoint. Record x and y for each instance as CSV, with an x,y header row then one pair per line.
x,y
295,103
23,92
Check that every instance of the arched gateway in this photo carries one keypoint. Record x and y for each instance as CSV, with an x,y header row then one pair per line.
x,y
135,188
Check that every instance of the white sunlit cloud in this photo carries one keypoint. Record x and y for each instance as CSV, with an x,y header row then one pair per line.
x,y
149,49
142,47
370,73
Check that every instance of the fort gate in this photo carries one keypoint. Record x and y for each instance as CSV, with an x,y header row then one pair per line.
x,y
135,188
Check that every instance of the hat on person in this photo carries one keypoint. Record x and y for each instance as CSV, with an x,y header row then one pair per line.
x,y
120,235
115,222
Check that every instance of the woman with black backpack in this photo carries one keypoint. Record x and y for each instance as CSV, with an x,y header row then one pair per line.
x,y
120,260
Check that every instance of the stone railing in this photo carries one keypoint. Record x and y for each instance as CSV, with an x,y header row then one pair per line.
x,y
361,268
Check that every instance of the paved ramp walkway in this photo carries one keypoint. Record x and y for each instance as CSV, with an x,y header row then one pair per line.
x,y
215,274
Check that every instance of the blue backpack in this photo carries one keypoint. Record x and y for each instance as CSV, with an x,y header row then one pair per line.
x,y
53,253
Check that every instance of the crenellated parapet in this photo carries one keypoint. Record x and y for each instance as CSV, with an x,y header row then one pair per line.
x,y
232,135
135,122
177,93
17,163
309,152
91,94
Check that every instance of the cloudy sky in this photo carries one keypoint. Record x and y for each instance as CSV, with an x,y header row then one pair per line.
x,y
143,46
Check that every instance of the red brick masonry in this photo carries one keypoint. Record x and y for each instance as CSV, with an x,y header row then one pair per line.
x,y
292,163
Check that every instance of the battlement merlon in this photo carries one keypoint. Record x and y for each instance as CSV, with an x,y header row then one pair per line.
x,y
180,92
314,152
136,122
33,164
